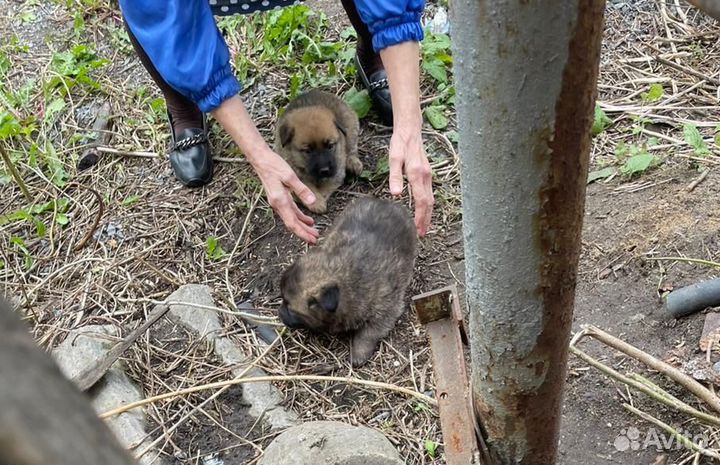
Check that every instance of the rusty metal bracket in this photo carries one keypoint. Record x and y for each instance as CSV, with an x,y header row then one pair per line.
x,y
439,312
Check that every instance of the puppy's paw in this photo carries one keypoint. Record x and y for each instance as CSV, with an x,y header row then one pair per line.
x,y
320,205
362,349
354,166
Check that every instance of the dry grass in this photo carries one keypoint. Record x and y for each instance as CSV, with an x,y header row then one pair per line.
x,y
143,250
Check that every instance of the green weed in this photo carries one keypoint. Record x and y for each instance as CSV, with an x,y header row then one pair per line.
x,y
695,140
213,249
431,447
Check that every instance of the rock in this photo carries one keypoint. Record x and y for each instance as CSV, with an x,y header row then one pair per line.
x,y
330,443
203,321
81,349
263,398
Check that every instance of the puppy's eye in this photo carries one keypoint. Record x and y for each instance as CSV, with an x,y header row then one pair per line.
x,y
330,145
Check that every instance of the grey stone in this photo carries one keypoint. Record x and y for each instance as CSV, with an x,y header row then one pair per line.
x,y
203,321
330,443
263,398
82,348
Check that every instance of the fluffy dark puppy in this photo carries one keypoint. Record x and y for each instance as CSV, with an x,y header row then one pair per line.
x,y
355,280
318,135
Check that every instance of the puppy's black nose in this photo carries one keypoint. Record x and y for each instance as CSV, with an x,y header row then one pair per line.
x,y
289,319
325,172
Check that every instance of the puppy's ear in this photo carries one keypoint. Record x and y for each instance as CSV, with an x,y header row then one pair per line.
x,y
329,298
340,128
286,133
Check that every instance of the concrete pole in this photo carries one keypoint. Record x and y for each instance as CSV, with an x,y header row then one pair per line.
x,y
526,73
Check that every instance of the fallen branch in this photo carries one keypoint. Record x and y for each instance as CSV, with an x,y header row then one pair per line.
x,y
647,388
91,375
700,391
89,158
114,151
684,69
697,261
672,431
260,379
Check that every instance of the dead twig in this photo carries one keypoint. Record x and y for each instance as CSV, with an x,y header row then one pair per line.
x,y
670,430
262,379
700,391
649,389
92,374
691,187
683,68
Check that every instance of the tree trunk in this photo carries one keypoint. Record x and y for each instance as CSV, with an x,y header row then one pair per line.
x,y
526,75
44,418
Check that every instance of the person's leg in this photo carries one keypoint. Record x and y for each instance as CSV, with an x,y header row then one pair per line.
x,y
370,60
185,114
372,72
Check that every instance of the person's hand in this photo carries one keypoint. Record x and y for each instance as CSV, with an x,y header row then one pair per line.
x,y
279,181
407,154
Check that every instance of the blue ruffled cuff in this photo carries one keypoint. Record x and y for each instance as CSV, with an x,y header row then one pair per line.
x,y
396,30
221,87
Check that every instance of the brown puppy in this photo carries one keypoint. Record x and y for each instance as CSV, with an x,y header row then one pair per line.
x,y
318,135
355,281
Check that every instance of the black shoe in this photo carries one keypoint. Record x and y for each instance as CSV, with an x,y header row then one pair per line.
x,y
190,155
379,90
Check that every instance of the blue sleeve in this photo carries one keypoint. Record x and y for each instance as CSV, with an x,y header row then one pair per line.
x,y
183,42
392,22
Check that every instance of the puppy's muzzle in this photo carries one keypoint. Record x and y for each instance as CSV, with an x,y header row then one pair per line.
x,y
290,319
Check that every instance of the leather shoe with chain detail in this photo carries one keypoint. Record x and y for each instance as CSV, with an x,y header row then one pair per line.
x,y
190,155
379,90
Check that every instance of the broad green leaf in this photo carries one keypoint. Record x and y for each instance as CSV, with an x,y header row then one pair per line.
x,y
453,136
601,121
694,138
600,174
9,126
654,94
383,167
436,116
436,68
40,227
435,43
53,109
359,100
62,219
637,164
717,136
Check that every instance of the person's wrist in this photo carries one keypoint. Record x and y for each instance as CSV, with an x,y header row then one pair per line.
x,y
409,130
258,154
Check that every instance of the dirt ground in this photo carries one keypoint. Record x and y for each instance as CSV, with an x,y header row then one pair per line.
x,y
143,250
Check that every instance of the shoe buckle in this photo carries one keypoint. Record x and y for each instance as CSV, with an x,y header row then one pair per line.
x,y
380,84
188,142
